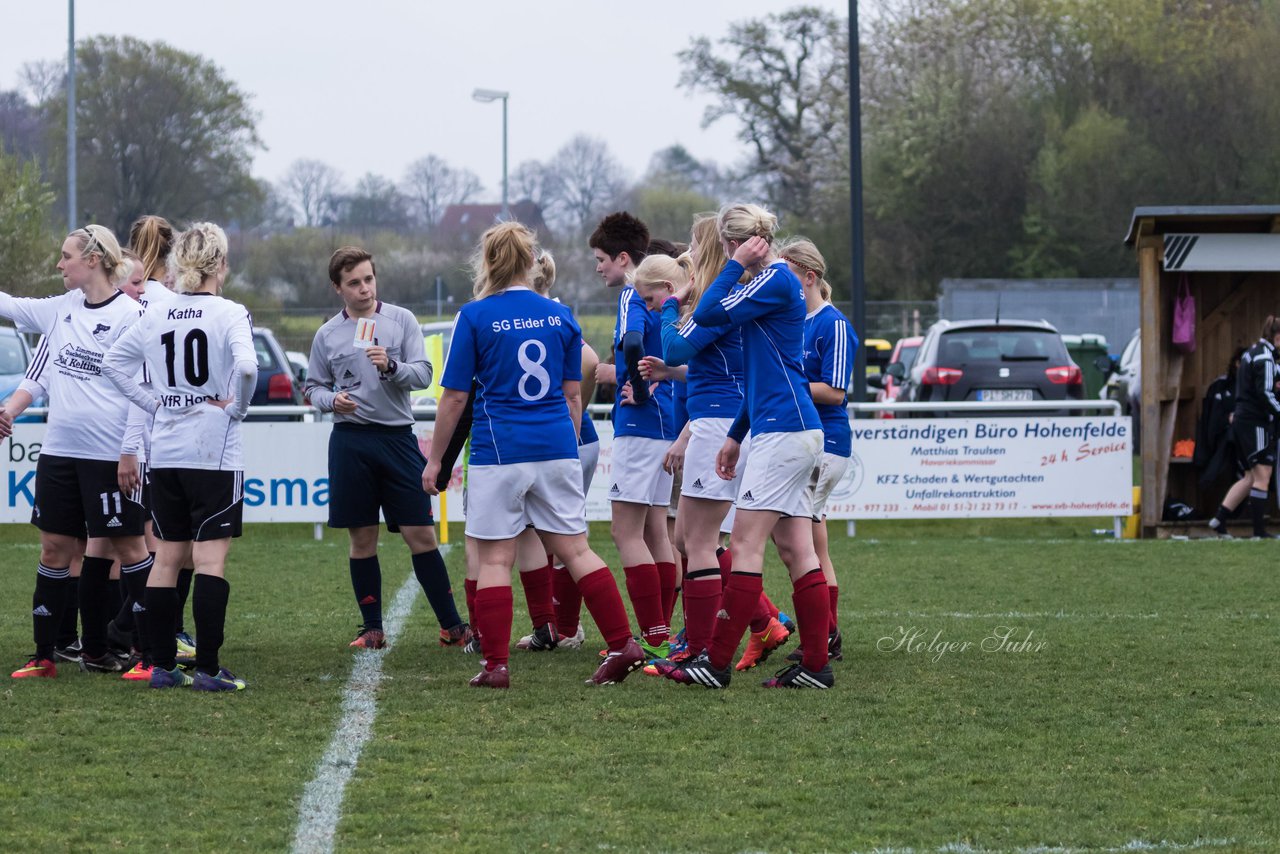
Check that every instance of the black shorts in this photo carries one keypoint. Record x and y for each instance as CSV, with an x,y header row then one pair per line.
x,y
78,498
1255,443
144,478
196,504
372,468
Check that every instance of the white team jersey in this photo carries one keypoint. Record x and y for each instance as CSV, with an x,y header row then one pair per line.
x,y
86,413
190,346
155,294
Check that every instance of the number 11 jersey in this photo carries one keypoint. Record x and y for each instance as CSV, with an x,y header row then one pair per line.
x,y
519,348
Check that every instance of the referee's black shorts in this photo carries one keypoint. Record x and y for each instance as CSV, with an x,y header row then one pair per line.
x,y
1255,443
373,467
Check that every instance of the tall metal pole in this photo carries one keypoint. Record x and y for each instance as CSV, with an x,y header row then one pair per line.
x,y
72,216
505,212
855,190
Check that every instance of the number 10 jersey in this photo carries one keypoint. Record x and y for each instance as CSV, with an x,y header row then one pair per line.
x,y
190,347
519,348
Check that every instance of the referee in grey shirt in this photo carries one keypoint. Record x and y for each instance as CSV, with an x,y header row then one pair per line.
x,y
364,363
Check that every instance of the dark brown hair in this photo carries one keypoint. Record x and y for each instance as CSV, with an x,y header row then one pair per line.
x,y
344,259
1271,327
621,232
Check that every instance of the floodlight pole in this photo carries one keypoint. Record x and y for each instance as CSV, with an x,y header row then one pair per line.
x,y
72,216
486,96
855,190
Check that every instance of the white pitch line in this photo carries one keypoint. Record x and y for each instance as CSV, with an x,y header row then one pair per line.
x,y
322,798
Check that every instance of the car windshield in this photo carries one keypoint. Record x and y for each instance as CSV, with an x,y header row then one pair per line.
x,y
907,355
12,357
970,346
266,359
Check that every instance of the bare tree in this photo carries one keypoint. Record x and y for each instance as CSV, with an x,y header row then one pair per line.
x,y
584,181
432,185
312,188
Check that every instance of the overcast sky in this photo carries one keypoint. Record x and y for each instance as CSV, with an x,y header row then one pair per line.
x,y
374,85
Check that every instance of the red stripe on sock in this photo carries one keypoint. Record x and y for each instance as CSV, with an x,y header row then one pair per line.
x,y
645,593
537,595
741,595
567,601
600,595
493,616
813,616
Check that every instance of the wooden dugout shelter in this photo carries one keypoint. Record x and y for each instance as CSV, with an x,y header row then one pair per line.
x,y
1231,258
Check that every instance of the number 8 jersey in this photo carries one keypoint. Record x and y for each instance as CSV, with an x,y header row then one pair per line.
x,y
191,346
519,348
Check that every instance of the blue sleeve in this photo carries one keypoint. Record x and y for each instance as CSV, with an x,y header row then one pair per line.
x,y
837,358
709,311
460,366
572,351
635,316
681,342
741,424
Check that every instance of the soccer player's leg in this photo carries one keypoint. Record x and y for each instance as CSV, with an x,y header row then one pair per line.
x,y
399,492
353,505
171,523
535,569
217,511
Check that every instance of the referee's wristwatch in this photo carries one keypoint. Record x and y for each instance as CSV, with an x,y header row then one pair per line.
x,y
392,364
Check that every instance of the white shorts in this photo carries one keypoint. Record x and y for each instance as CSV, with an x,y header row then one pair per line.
x,y
782,473
638,477
504,500
589,456
833,469
706,438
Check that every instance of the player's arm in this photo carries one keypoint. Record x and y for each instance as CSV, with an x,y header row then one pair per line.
x,y
590,361
245,369
837,352
448,411
318,391
573,396
413,371
30,314
121,367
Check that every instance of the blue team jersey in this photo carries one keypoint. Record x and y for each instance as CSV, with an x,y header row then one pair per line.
x,y
679,405
519,348
653,419
829,347
588,433
770,311
714,356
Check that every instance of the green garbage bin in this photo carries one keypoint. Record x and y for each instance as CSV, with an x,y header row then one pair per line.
x,y
1084,351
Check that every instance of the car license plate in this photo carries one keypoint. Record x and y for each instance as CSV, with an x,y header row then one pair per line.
x,y
1004,394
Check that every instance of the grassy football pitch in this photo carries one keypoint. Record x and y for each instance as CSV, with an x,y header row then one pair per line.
x,y
1006,686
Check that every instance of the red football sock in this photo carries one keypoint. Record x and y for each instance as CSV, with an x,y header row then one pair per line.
x,y
469,587
741,595
537,595
763,613
813,607
493,616
567,601
668,583
725,558
833,590
645,594
701,602
600,594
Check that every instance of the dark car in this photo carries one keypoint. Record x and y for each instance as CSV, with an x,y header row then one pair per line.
x,y
277,383
992,362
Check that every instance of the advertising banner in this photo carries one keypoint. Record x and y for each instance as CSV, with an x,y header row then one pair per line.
x,y
969,467
901,469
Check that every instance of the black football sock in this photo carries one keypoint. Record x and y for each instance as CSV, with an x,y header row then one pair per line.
x,y
366,582
434,577
95,608
184,590
47,604
209,607
68,626
161,603
135,579
1258,508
